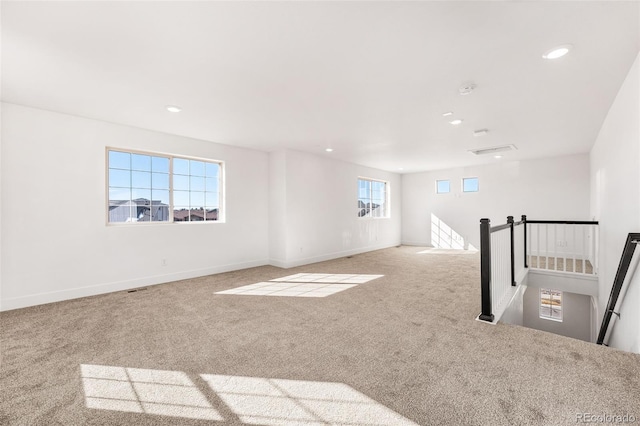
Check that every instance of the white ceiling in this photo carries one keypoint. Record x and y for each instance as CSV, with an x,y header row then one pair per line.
x,y
371,80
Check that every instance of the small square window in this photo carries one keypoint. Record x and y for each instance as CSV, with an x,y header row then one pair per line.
x,y
470,184
443,186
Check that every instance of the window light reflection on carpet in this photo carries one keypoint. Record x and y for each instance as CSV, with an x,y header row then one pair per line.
x,y
252,400
303,285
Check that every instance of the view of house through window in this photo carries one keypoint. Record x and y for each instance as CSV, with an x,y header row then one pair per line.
x,y
372,198
550,304
156,188
196,194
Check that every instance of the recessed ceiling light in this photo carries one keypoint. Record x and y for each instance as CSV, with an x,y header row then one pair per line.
x,y
557,52
173,108
329,149
456,121
400,168
447,114
497,156
480,132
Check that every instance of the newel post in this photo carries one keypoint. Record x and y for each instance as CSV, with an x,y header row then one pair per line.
x,y
513,255
524,222
485,269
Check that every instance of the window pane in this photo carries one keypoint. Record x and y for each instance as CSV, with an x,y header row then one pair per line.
x,y
140,188
180,183
372,198
160,181
118,195
196,215
159,212
124,212
470,184
120,178
211,184
197,199
141,162
212,170
181,214
180,166
160,196
197,168
212,214
443,186
119,160
196,183
181,198
550,304
211,200
141,179
141,194
160,164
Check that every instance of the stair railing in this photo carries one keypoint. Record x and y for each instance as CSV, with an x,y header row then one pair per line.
x,y
563,246
633,239
502,258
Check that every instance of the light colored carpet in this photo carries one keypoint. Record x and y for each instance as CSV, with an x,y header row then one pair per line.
x,y
404,345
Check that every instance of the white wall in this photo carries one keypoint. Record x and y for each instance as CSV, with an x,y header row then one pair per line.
x,y
551,188
576,312
55,243
277,208
615,202
321,210
514,313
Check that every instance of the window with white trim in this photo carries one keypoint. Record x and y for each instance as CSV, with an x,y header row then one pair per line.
x,y
551,304
443,186
372,198
470,184
146,187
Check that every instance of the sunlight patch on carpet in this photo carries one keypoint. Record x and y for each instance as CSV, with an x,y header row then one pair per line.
x,y
328,278
288,289
252,400
280,402
303,285
135,390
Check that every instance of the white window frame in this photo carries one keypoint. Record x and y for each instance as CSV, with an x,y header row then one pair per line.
x,y
387,190
550,317
470,177
171,157
443,180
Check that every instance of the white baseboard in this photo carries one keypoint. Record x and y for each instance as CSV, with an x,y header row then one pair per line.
x,y
93,290
279,263
416,243
321,258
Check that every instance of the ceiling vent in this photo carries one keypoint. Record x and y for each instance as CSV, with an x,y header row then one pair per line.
x,y
493,150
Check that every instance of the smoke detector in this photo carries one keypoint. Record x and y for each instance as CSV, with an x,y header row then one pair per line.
x,y
467,88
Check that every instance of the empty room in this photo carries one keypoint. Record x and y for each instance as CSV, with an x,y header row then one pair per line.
x,y
319,213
